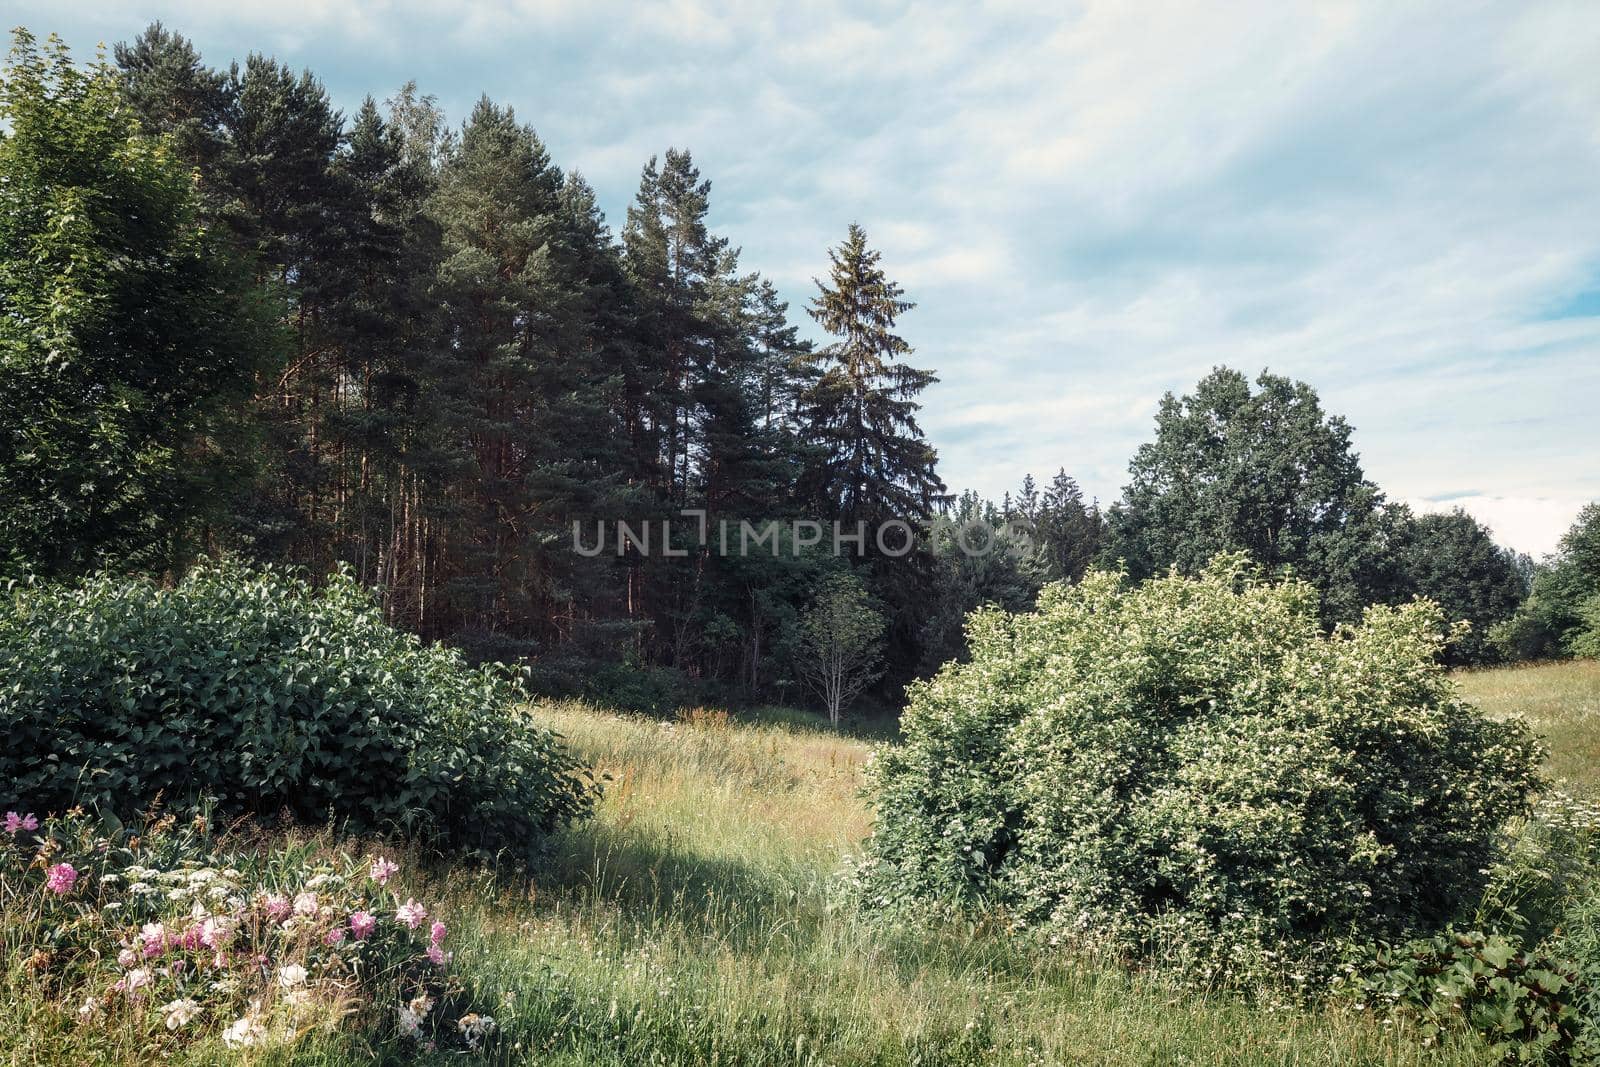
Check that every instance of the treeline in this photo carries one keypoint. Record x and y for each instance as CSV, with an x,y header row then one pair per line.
x,y
240,322
1261,467
419,353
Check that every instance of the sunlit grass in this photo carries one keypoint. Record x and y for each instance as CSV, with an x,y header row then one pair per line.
x,y
693,923
1560,700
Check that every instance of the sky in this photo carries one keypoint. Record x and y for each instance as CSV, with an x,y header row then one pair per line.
x,y
1091,203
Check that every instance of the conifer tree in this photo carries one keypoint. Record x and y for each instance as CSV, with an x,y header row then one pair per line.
x,y
518,387
862,408
174,93
384,331
1067,531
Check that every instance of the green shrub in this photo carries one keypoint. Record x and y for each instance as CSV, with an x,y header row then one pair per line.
x,y
1193,766
1544,892
258,693
1578,942
1521,1003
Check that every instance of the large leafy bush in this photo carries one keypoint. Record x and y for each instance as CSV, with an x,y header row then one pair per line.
x,y
259,693
1194,765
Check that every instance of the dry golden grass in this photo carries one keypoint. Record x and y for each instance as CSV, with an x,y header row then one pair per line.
x,y
1560,700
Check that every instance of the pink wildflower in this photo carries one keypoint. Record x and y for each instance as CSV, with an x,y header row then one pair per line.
x,y
126,958
411,913
437,955
215,933
362,924
333,936
153,939
305,904
133,981
16,823
382,870
59,879
436,932
277,906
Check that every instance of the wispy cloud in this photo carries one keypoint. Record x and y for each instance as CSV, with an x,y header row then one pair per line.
x,y
1095,203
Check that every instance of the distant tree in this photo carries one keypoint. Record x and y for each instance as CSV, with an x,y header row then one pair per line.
x,y
1263,471
840,646
128,339
1067,532
862,408
981,556
1585,641
707,410
1453,560
1561,616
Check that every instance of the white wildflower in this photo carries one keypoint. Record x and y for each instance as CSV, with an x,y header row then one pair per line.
x,y
475,1028
180,1012
410,1022
244,1032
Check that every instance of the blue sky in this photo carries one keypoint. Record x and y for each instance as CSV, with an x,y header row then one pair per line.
x,y
1092,203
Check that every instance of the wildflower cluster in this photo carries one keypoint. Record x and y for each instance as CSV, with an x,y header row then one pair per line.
x,y
166,932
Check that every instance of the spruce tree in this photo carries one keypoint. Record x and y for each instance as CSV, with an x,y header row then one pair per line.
x,y
1067,531
861,411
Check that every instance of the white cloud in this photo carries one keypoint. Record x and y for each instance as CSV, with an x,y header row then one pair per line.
x,y
1527,524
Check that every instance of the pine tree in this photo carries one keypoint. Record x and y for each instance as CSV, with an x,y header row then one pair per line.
x,y
383,330
674,264
522,397
694,395
291,212
174,93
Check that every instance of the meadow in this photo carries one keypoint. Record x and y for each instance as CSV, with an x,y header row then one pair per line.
x,y
697,919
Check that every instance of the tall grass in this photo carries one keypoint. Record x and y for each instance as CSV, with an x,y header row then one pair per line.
x,y
1560,700
693,923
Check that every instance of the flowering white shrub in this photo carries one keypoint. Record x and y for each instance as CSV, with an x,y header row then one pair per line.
x,y
1192,766
166,931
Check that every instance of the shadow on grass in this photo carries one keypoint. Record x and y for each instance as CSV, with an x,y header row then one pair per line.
x,y
649,877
